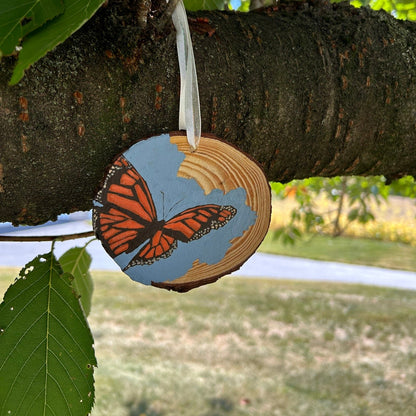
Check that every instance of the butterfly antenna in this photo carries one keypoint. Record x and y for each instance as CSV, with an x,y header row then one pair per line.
x,y
174,205
163,204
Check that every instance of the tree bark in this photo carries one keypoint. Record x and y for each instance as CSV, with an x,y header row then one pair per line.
x,y
307,89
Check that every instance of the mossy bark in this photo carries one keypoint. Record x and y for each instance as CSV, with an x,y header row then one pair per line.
x,y
306,89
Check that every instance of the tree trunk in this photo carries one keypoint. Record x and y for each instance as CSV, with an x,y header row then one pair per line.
x,y
306,89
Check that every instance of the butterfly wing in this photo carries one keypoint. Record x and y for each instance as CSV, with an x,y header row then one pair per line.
x,y
127,215
160,246
195,222
189,225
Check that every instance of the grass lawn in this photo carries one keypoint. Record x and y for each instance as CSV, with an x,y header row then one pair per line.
x,y
387,254
252,347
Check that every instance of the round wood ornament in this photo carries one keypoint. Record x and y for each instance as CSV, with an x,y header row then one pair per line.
x,y
178,219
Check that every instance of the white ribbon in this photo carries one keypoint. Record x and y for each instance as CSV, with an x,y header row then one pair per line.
x,y
189,111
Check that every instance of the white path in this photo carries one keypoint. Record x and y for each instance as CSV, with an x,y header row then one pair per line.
x,y
259,265
305,269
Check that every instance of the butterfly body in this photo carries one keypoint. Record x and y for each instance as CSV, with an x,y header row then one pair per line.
x,y
126,218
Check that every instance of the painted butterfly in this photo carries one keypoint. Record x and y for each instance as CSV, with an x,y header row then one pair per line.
x,y
126,218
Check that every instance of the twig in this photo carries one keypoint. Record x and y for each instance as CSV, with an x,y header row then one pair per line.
x,y
47,237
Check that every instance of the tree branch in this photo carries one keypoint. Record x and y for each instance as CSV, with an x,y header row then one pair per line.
x,y
31,238
306,89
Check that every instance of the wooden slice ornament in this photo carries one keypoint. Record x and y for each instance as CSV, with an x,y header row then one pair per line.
x,y
178,219
179,210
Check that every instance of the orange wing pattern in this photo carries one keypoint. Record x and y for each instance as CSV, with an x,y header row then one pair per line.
x,y
189,225
126,218
193,223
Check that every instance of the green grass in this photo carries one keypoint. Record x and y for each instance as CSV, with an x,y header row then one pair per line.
x,y
347,250
252,347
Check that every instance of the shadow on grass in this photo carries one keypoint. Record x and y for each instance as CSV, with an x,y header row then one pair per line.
x,y
219,406
141,408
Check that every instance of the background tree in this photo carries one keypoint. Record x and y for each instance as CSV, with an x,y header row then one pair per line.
x,y
307,88
330,205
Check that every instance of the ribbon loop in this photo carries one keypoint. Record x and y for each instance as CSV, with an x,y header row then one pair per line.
x,y
189,109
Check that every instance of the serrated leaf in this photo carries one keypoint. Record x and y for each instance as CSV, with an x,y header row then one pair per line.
x,y
19,17
54,32
46,352
76,261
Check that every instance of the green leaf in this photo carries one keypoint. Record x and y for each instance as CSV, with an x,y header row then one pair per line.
x,y
194,5
277,187
365,217
296,232
245,6
38,43
357,3
19,17
76,262
412,14
405,186
353,214
46,347
287,239
405,5
276,234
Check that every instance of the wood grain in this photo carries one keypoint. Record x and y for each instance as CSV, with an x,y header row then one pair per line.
x,y
218,165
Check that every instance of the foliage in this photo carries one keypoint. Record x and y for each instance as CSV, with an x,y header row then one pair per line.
x,y
405,186
194,5
34,28
352,201
76,262
401,9
18,20
46,348
244,6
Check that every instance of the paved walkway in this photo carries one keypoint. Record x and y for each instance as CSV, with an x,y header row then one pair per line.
x,y
259,265
305,269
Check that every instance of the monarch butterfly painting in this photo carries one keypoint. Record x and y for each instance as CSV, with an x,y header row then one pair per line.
x,y
125,218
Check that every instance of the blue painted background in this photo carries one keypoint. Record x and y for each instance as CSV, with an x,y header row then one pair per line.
x,y
158,161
